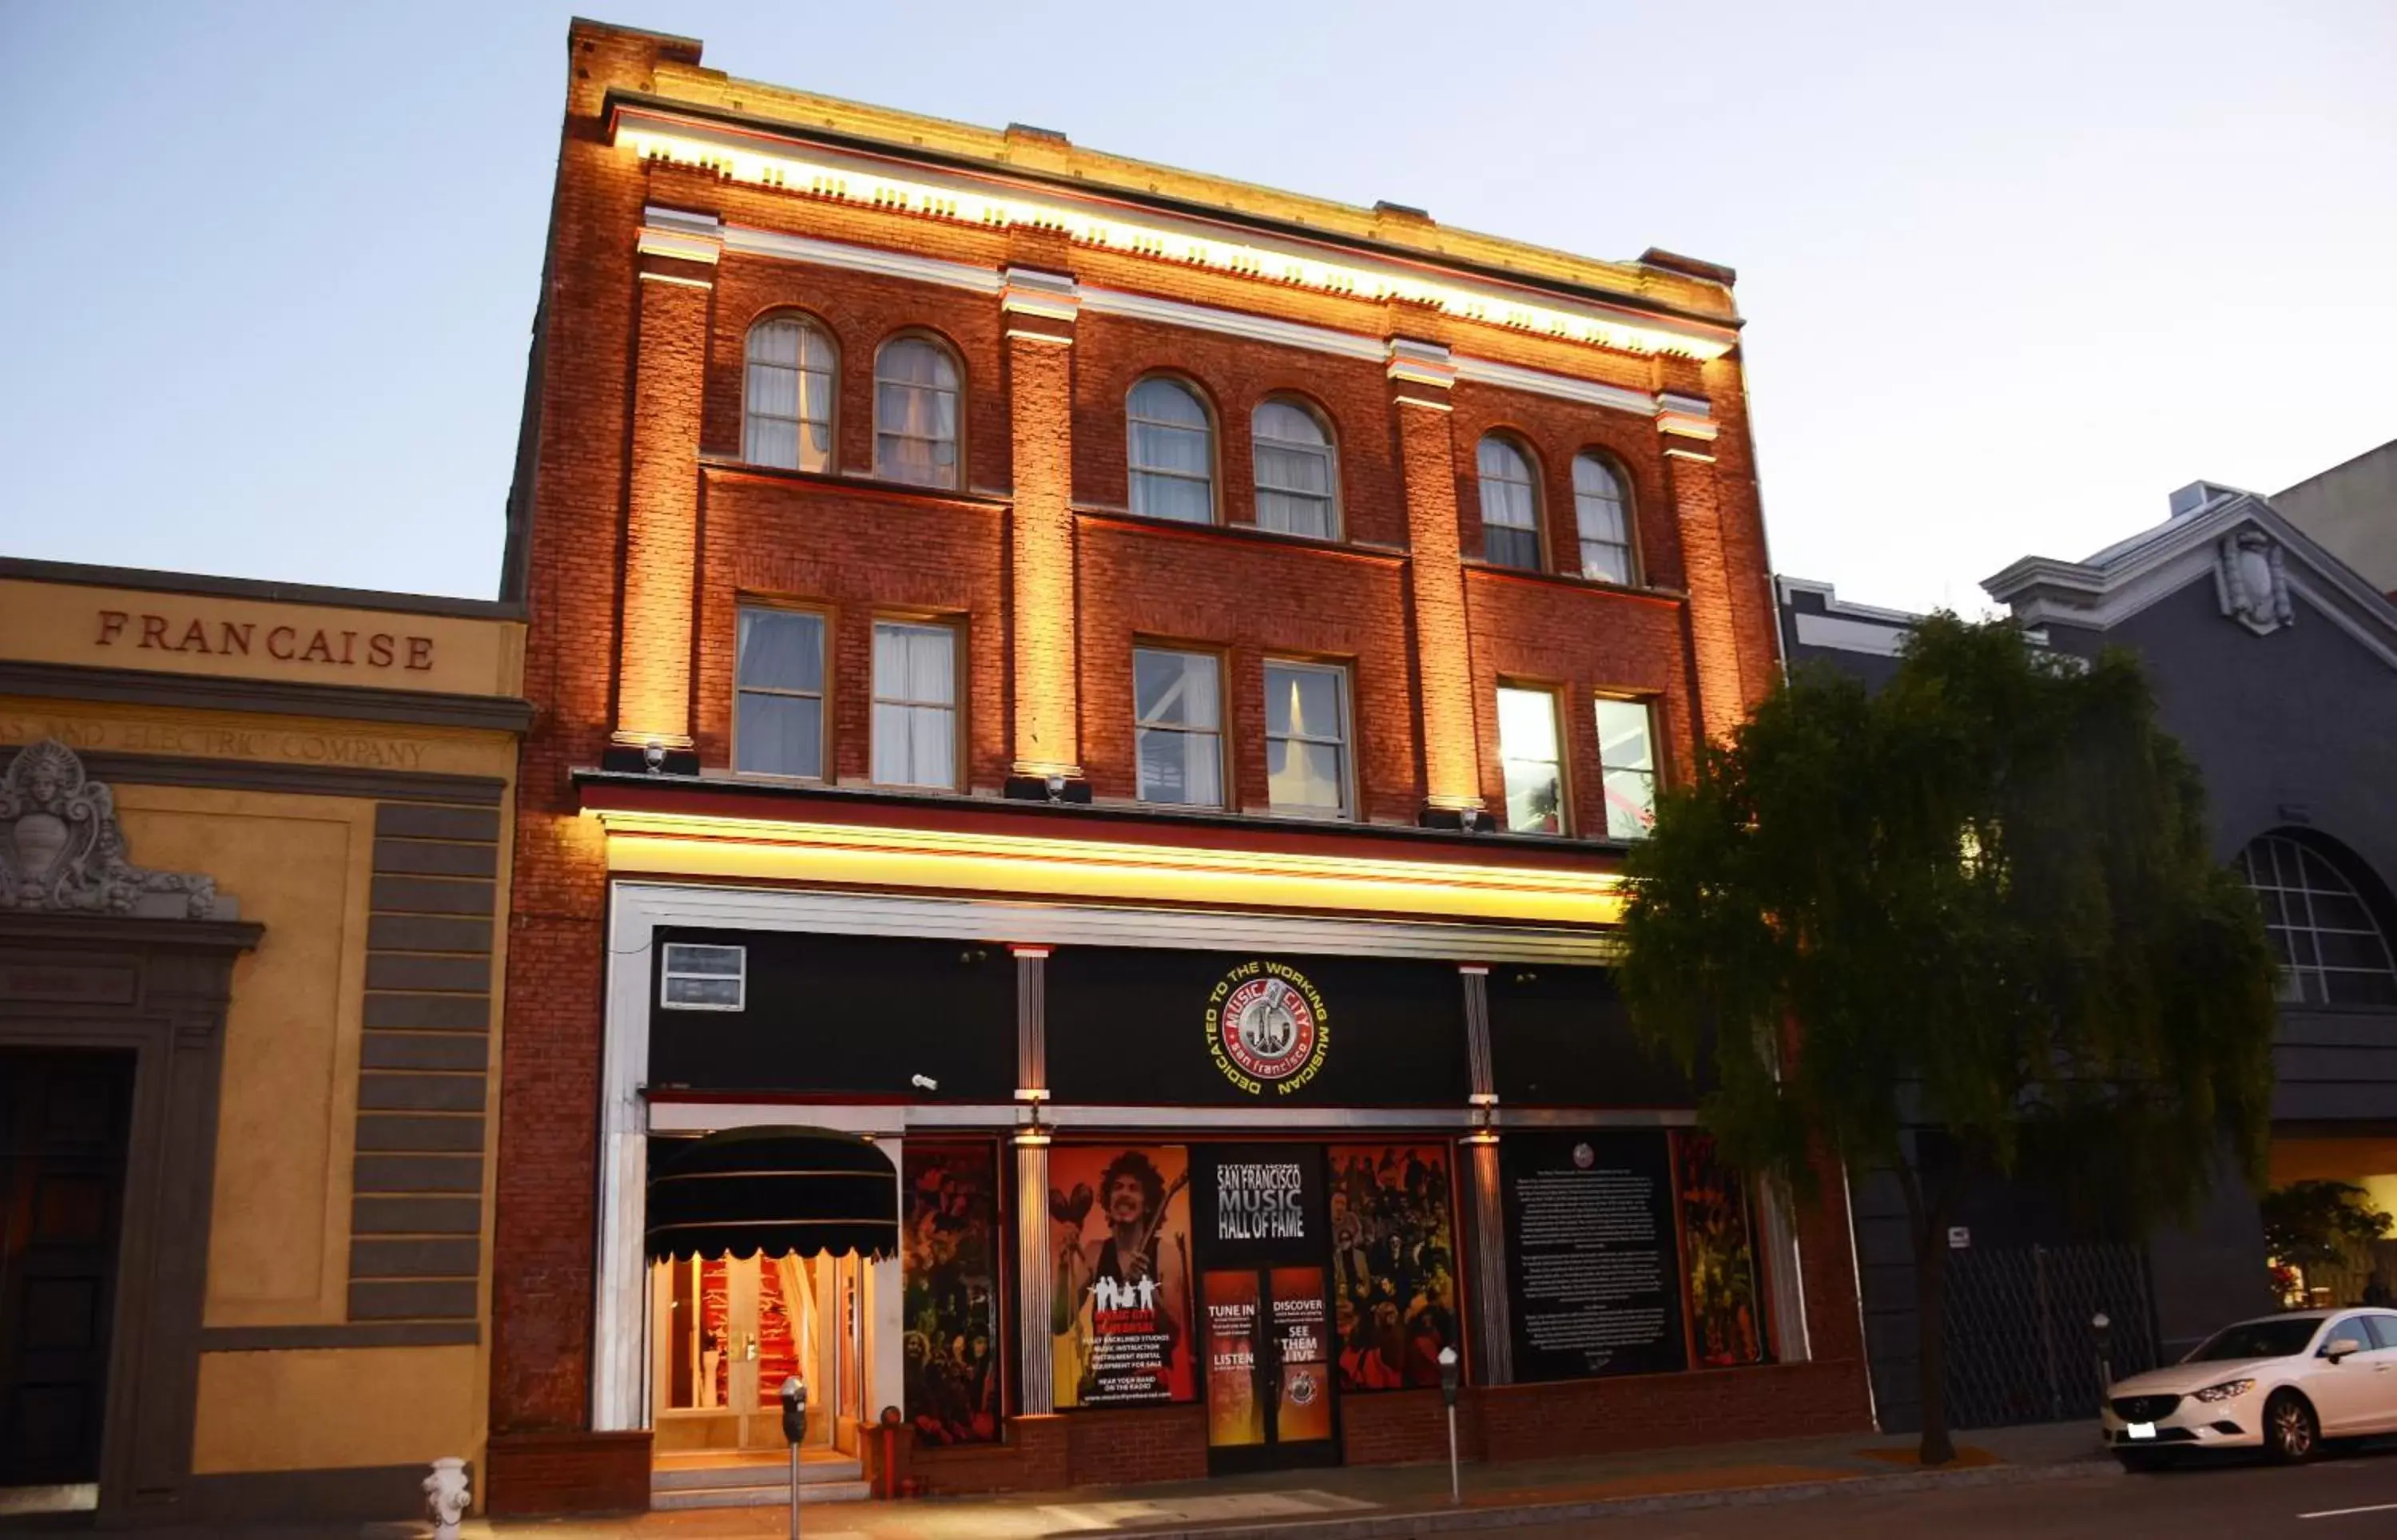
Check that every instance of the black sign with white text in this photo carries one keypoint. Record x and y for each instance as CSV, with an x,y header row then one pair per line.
x,y
1593,1271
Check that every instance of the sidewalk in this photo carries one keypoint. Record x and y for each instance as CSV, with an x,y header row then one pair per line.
x,y
1356,1501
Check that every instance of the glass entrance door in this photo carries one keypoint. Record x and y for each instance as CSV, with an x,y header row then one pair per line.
x,y
1270,1401
726,1331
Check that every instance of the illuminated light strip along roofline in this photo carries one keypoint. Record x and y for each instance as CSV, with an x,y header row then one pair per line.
x,y
712,845
767,161
747,240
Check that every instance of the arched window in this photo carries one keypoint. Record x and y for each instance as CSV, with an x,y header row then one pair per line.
x,y
1170,449
1603,512
1510,505
787,396
2331,947
916,413
1298,489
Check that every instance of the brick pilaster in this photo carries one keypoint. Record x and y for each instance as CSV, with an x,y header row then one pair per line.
x,y
1420,375
662,514
1044,737
1714,637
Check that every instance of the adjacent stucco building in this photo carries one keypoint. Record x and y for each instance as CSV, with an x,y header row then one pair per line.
x,y
254,839
2275,664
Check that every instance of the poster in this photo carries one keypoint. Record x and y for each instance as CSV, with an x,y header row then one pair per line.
x,y
1593,1273
950,1266
1393,1264
1235,1417
1302,1356
1119,1235
1726,1318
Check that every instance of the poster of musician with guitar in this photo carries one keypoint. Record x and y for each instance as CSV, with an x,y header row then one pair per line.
x,y
1120,1231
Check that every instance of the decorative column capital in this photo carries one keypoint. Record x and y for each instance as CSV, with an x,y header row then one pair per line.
x,y
680,234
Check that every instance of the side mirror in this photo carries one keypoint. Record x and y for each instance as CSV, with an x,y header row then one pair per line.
x,y
2340,1347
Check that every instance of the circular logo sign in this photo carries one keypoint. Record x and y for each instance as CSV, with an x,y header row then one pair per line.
x,y
1266,1026
1302,1390
1583,1155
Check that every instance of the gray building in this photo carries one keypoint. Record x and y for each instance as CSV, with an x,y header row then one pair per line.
x,y
2352,509
2275,664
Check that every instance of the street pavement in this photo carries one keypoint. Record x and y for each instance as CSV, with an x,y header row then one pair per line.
x,y
2349,1498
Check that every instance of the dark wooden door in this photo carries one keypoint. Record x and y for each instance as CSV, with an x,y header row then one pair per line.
x,y
62,1138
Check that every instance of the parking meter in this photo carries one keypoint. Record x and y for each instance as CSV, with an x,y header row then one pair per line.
x,y
794,1409
795,1429
2104,1329
1452,1372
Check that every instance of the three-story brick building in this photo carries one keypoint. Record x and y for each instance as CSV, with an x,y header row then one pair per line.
x,y
1101,706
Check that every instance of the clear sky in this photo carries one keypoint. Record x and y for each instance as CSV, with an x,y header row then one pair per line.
x,y
2014,270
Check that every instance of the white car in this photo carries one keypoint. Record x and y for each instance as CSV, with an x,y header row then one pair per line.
x,y
2281,1383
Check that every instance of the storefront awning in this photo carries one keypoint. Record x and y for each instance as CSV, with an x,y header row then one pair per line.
x,y
779,1192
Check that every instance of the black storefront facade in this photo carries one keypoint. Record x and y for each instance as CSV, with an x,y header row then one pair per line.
x,y
1189,1191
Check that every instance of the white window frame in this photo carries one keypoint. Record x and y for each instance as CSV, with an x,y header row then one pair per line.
x,y
1621,501
1651,770
1531,483
956,688
1344,742
1506,756
1140,725
667,974
1134,471
2289,881
820,695
1328,449
750,412
885,470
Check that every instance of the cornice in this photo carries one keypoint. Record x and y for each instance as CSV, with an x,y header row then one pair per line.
x,y
833,167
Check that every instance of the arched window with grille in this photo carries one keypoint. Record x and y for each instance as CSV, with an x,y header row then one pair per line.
x,y
1510,505
916,413
2332,947
787,393
1298,482
1170,448
1602,510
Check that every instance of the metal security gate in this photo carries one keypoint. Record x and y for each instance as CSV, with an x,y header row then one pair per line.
x,y
2020,1346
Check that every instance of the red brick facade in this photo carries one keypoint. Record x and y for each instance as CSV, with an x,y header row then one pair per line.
x,y
636,532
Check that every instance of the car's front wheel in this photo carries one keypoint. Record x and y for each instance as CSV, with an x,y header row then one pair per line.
x,y
2291,1434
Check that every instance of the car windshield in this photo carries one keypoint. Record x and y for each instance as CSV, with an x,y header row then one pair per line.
x,y
2255,1339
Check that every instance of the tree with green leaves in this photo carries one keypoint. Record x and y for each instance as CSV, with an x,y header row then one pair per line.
x,y
2315,1223
1980,900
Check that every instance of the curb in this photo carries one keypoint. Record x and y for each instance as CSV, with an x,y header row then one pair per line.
x,y
1446,1520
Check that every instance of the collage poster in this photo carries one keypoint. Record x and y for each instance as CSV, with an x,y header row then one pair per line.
x,y
1119,1315
1393,1265
951,1266
1726,1321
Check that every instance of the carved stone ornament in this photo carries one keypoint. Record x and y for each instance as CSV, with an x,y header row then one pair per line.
x,y
62,851
2248,579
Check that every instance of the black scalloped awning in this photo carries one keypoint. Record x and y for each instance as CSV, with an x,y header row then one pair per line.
x,y
779,1191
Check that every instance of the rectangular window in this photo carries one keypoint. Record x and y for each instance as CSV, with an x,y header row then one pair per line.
x,y
1626,759
1527,745
1307,738
1178,726
778,724
704,978
915,704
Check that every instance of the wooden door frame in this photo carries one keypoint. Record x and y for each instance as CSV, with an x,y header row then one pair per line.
x,y
160,989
